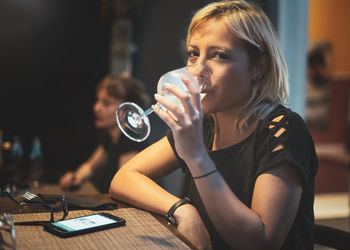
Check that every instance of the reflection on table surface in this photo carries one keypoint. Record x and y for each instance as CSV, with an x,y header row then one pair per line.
x,y
52,188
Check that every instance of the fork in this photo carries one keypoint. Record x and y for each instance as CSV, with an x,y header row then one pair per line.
x,y
29,196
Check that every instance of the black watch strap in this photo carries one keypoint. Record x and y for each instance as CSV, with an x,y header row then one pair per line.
x,y
170,214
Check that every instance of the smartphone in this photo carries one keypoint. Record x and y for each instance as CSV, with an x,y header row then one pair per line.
x,y
84,224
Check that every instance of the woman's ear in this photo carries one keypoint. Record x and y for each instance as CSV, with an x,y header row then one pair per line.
x,y
260,68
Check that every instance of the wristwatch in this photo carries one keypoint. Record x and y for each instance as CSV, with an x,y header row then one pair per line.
x,y
170,214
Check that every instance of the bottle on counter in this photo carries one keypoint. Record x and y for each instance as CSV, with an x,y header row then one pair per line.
x,y
16,162
17,150
36,166
3,176
6,166
6,170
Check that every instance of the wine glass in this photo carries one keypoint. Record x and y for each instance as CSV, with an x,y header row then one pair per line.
x,y
133,121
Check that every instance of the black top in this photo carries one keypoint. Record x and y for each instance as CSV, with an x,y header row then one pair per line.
x,y
241,164
103,176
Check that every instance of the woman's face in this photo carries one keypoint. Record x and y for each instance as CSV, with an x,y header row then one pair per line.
x,y
104,110
214,46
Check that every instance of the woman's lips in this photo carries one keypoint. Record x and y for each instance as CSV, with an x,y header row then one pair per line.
x,y
98,118
207,90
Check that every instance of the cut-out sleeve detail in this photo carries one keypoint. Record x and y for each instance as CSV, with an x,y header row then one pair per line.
x,y
278,147
278,132
278,118
286,140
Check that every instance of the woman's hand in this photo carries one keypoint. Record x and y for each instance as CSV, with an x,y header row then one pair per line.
x,y
186,121
191,226
69,181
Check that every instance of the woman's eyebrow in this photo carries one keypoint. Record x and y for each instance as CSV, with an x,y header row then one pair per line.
x,y
211,47
192,46
220,48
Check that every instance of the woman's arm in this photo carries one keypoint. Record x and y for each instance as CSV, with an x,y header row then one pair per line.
x,y
134,184
85,170
276,193
266,224
124,158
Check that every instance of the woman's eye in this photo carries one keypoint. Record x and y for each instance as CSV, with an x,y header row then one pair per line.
x,y
192,56
192,53
220,55
106,103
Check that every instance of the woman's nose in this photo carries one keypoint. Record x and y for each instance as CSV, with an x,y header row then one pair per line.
x,y
96,106
200,71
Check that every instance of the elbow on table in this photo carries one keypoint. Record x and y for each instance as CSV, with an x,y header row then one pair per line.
x,y
114,188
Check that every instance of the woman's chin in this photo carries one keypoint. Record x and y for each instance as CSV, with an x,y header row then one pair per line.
x,y
99,125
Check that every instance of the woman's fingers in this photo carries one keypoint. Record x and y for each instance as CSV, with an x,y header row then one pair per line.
x,y
169,107
185,98
176,115
167,116
194,90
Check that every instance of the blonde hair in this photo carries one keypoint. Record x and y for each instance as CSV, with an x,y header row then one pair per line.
x,y
249,23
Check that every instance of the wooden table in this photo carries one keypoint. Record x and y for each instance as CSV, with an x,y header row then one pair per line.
x,y
53,188
8,206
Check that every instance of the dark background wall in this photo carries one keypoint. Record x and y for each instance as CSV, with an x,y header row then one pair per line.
x,y
53,53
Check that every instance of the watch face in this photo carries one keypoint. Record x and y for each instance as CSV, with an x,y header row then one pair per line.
x,y
171,220
170,214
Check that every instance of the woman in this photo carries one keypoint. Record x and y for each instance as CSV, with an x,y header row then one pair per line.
x,y
250,160
114,149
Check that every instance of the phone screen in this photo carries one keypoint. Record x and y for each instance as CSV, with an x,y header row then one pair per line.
x,y
85,222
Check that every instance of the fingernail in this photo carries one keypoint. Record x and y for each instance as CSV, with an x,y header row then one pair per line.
x,y
185,77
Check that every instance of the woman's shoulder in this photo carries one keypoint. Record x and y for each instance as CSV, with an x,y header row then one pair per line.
x,y
288,140
282,115
286,127
283,125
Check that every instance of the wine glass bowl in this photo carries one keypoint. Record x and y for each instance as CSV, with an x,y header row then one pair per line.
x,y
173,77
134,122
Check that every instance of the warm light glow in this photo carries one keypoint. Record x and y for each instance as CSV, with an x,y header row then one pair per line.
x,y
6,145
328,20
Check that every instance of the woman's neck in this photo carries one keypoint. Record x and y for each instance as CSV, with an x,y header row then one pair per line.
x,y
115,134
227,133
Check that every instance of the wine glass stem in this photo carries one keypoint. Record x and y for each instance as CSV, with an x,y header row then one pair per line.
x,y
148,111
157,105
